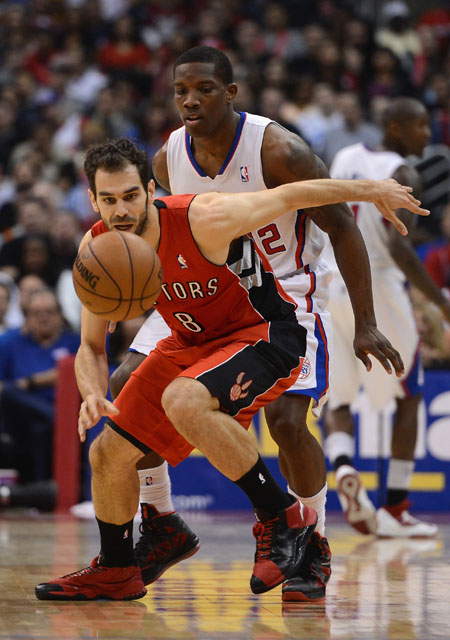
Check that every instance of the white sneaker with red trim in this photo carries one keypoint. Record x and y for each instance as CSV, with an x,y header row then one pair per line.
x,y
396,522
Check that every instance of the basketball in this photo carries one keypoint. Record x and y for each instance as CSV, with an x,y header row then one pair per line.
x,y
117,276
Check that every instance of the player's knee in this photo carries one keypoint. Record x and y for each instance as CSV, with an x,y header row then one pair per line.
x,y
288,432
108,450
184,400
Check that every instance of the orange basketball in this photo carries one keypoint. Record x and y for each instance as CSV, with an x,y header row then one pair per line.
x,y
117,275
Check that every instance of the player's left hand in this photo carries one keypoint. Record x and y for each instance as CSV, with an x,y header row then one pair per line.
x,y
371,341
93,407
392,196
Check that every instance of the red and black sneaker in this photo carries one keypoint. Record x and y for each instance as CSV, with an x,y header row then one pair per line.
x,y
96,582
310,583
165,540
280,546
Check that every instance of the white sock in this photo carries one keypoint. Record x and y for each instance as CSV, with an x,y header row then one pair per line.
x,y
155,488
317,503
400,473
338,444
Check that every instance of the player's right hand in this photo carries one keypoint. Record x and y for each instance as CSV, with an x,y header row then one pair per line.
x,y
392,196
368,340
92,409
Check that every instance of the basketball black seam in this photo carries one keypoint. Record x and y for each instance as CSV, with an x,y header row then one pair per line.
x,y
107,273
132,275
103,297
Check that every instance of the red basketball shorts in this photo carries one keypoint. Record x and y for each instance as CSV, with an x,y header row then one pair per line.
x,y
244,370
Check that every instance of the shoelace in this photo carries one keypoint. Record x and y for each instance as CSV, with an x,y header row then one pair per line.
x,y
145,544
263,533
93,568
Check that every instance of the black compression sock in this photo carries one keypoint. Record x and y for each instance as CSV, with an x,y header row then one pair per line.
x,y
116,542
263,492
340,460
394,496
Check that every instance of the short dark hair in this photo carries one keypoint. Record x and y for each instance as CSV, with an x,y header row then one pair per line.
x,y
402,109
114,155
222,64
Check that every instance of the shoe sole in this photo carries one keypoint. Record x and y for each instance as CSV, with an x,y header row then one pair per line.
x,y
366,522
391,536
192,551
81,596
298,596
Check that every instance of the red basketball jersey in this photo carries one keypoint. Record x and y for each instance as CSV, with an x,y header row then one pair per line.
x,y
201,301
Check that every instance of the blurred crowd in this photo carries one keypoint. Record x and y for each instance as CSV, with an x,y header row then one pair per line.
x,y
74,72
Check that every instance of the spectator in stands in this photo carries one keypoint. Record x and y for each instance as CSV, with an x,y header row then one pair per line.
x,y
316,120
28,285
5,298
40,142
28,374
11,316
386,78
434,334
270,103
354,129
124,56
397,34
66,235
8,133
440,121
280,39
437,260
36,257
33,218
13,190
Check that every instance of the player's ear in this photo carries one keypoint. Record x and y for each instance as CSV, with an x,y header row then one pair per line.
x,y
231,91
151,188
93,201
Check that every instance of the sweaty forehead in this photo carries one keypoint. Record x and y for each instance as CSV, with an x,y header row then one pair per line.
x,y
196,72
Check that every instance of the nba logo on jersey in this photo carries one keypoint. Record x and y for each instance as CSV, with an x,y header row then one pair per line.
x,y
182,261
244,174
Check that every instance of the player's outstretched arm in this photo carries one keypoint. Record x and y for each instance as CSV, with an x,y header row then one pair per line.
x,y
91,368
92,372
228,216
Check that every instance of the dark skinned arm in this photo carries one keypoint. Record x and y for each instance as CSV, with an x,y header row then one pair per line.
x,y
404,254
287,158
160,170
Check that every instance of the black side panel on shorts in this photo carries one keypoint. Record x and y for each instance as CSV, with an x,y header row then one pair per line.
x,y
245,262
254,370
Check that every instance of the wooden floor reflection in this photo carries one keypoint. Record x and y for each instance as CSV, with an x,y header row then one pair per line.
x,y
380,589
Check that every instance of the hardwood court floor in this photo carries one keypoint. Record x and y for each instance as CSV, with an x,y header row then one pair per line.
x,y
380,589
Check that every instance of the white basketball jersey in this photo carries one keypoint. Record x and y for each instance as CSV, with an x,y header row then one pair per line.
x,y
292,241
359,162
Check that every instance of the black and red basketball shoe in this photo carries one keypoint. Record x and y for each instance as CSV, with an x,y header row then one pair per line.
x,y
281,545
315,571
95,582
165,540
